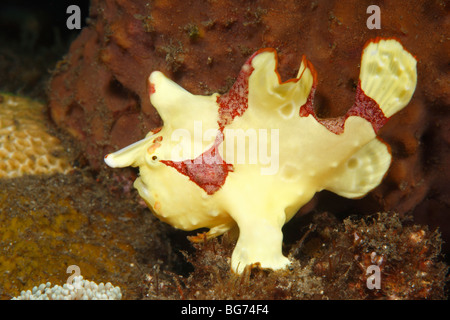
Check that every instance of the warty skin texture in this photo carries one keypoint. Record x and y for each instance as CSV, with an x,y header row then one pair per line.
x,y
342,155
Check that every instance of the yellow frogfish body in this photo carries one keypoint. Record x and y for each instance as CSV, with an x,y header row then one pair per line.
x,y
251,158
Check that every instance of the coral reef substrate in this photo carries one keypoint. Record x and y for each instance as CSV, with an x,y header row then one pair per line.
x,y
329,262
50,222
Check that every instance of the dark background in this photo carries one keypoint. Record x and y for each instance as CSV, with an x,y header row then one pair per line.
x,y
33,37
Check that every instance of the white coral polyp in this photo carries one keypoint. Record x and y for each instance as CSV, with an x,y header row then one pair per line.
x,y
80,289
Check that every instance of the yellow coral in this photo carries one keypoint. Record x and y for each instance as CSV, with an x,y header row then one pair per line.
x,y
25,145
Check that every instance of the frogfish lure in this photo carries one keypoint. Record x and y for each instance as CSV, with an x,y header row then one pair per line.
x,y
251,158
